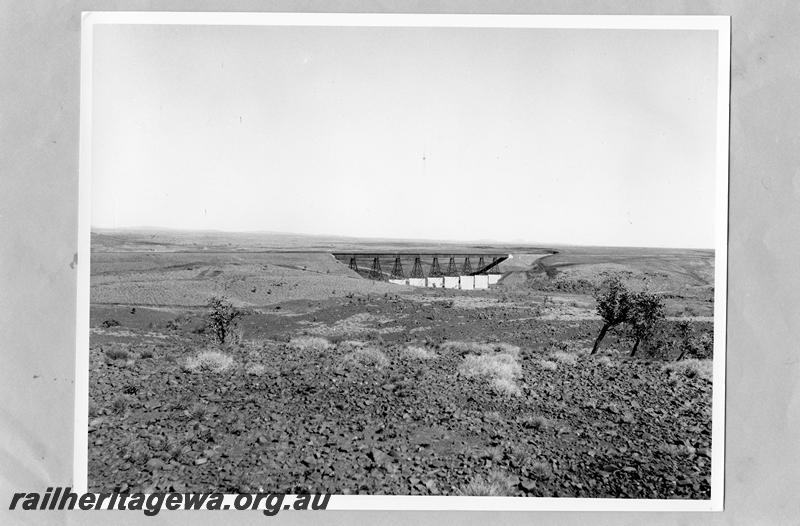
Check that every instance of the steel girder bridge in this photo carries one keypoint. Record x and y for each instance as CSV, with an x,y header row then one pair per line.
x,y
392,265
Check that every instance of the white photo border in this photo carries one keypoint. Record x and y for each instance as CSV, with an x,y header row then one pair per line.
x,y
720,24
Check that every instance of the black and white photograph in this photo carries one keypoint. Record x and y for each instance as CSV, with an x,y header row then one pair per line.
x,y
437,257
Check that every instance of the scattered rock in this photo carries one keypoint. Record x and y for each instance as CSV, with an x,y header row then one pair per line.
x,y
409,428
528,486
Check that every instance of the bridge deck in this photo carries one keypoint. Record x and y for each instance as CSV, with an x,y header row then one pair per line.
x,y
394,265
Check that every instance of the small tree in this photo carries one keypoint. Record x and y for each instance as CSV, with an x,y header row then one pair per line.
x,y
685,343
646,312
613,305
222,317
705,344
691,346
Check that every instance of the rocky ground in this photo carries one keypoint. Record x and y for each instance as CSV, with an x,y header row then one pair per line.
x,y
386,404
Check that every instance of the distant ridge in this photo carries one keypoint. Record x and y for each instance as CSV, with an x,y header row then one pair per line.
x,y
223,237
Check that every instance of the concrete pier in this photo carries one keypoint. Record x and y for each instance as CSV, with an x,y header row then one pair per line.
x,y
451,282
436,283
481,281
478,282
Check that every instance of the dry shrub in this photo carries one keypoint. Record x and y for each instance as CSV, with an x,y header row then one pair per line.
x,y
310,343
116,353
547,365
491,365
536,422
183,401
198,410
367,356
605,361
691,368
176,449
501,369
506,348
209,361
518,457
540,470
120,403
495,454
564,357
496,483
418,353
506,386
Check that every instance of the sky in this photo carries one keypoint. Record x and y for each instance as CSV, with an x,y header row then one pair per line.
x,y
569,136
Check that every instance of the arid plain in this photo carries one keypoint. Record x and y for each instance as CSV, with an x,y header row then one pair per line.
x,y
331,382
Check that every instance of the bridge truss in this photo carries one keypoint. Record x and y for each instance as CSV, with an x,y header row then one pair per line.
x,y
422,264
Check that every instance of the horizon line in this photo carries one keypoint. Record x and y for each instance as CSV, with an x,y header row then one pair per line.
x,y
532,244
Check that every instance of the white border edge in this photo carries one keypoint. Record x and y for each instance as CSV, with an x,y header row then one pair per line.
x,y
678,22
81,437
721,267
